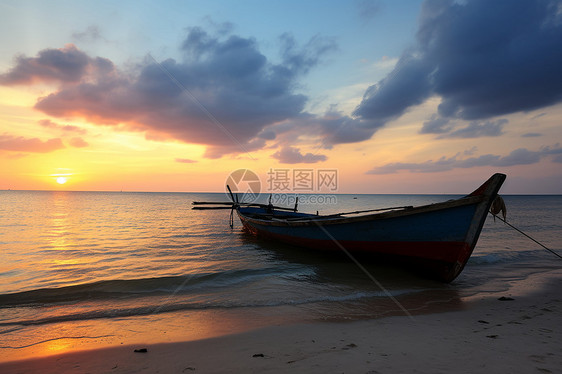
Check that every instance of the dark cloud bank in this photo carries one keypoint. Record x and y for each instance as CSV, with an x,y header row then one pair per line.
x,y
483,59
520,156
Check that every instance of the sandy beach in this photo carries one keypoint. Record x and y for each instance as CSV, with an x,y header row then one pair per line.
x,y
515,331
368,186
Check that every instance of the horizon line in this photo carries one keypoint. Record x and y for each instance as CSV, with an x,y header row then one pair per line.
x,y
287,193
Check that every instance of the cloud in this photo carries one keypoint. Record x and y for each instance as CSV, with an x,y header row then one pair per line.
x,y
368,9
65,128
406,86
531,135
471,151
91,34
299,60
447,128
290,155
328,129
555,151
476,129
32,145
235,147
223,93
78,142
337,128
185,161
483,60
437,125
520,156
66,64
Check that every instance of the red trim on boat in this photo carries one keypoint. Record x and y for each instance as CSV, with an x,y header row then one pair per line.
x,y
450,252
445,258
442,260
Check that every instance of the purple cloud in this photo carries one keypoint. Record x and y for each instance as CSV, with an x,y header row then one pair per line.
x,y
290,155
223,94
66,64
65,128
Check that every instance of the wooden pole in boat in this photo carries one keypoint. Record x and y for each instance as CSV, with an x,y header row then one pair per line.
x,y
211,203
231,194
212,207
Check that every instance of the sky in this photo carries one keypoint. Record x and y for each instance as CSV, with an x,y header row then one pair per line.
x,y
388,96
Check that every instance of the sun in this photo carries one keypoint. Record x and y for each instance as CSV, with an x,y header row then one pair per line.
x,y
62,176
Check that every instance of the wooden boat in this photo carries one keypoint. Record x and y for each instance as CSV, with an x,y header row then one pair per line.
x,y
437,239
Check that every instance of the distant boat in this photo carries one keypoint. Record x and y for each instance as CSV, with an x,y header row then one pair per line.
x,y
437,239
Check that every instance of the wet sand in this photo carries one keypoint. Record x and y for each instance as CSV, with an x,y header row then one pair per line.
x,y
514,331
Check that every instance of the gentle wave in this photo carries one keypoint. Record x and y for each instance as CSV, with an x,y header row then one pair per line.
x,y
115,256
144,287
174,307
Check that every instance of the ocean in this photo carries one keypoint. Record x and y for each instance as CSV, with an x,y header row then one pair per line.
x,y
82,270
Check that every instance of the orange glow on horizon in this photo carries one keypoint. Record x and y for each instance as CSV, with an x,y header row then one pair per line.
x,y
118,160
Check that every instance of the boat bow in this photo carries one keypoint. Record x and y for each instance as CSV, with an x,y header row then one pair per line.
x,y
437,239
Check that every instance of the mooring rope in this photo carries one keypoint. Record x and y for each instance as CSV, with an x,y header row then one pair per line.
x,y
528,236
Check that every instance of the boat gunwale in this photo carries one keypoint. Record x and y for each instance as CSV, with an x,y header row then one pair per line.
x,y
481,199
314,220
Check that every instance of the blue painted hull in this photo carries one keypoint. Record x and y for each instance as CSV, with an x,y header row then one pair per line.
x,y
440,237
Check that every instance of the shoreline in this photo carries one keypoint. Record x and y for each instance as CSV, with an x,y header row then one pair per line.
x,y
488,335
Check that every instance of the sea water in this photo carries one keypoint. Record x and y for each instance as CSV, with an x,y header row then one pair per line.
x,y
87,269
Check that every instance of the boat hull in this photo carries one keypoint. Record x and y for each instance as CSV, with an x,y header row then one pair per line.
x,y
438,239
